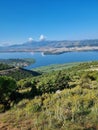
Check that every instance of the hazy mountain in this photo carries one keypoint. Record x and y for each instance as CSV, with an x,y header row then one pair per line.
x,y
35,45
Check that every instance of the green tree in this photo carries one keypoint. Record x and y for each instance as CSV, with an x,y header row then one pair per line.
x,y
7,88
51,82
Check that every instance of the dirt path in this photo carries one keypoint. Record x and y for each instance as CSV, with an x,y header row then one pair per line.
x,y
2,125
11,69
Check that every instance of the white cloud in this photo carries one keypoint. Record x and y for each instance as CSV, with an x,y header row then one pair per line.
x,y
30,39
42,37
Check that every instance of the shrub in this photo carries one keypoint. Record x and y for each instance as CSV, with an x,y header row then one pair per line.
x,y
7,87
1,108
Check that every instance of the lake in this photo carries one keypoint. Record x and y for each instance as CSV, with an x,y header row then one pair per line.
x,y
44,60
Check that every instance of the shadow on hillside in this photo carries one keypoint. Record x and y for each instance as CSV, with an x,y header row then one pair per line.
x,y
16,97
34,73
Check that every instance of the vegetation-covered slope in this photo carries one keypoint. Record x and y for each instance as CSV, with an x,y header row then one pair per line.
x,y
5,66
16,72
18,62
60,100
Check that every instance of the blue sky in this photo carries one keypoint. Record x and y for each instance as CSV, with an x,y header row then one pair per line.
x,y
22,20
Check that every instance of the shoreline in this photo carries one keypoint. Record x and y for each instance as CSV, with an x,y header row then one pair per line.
x,y
53,51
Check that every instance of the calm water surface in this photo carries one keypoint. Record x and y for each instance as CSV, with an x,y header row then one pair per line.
x,y
43,60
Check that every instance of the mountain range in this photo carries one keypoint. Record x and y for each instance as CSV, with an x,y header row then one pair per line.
x,y
53,46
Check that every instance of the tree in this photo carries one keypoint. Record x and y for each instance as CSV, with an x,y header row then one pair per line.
x,y
7,88
52,82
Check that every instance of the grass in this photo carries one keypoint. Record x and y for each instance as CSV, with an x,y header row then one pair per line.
x,y
91,65
71,109
55,67
75,108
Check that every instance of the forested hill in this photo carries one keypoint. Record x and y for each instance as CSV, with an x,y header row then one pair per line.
x,y
5,66
16,72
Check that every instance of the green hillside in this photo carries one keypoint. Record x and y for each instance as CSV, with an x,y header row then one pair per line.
x,y
18,62
65,99
16,73
5,66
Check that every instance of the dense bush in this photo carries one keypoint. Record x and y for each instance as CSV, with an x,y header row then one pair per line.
x,y
19,74
25,84
7,88
51,83
4,66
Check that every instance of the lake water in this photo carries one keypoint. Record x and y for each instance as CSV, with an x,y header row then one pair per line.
x,y
43,60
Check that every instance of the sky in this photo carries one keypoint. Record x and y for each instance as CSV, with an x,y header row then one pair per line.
x,y
28,20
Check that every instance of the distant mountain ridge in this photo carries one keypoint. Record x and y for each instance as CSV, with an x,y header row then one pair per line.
x,y
63,43
44,45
